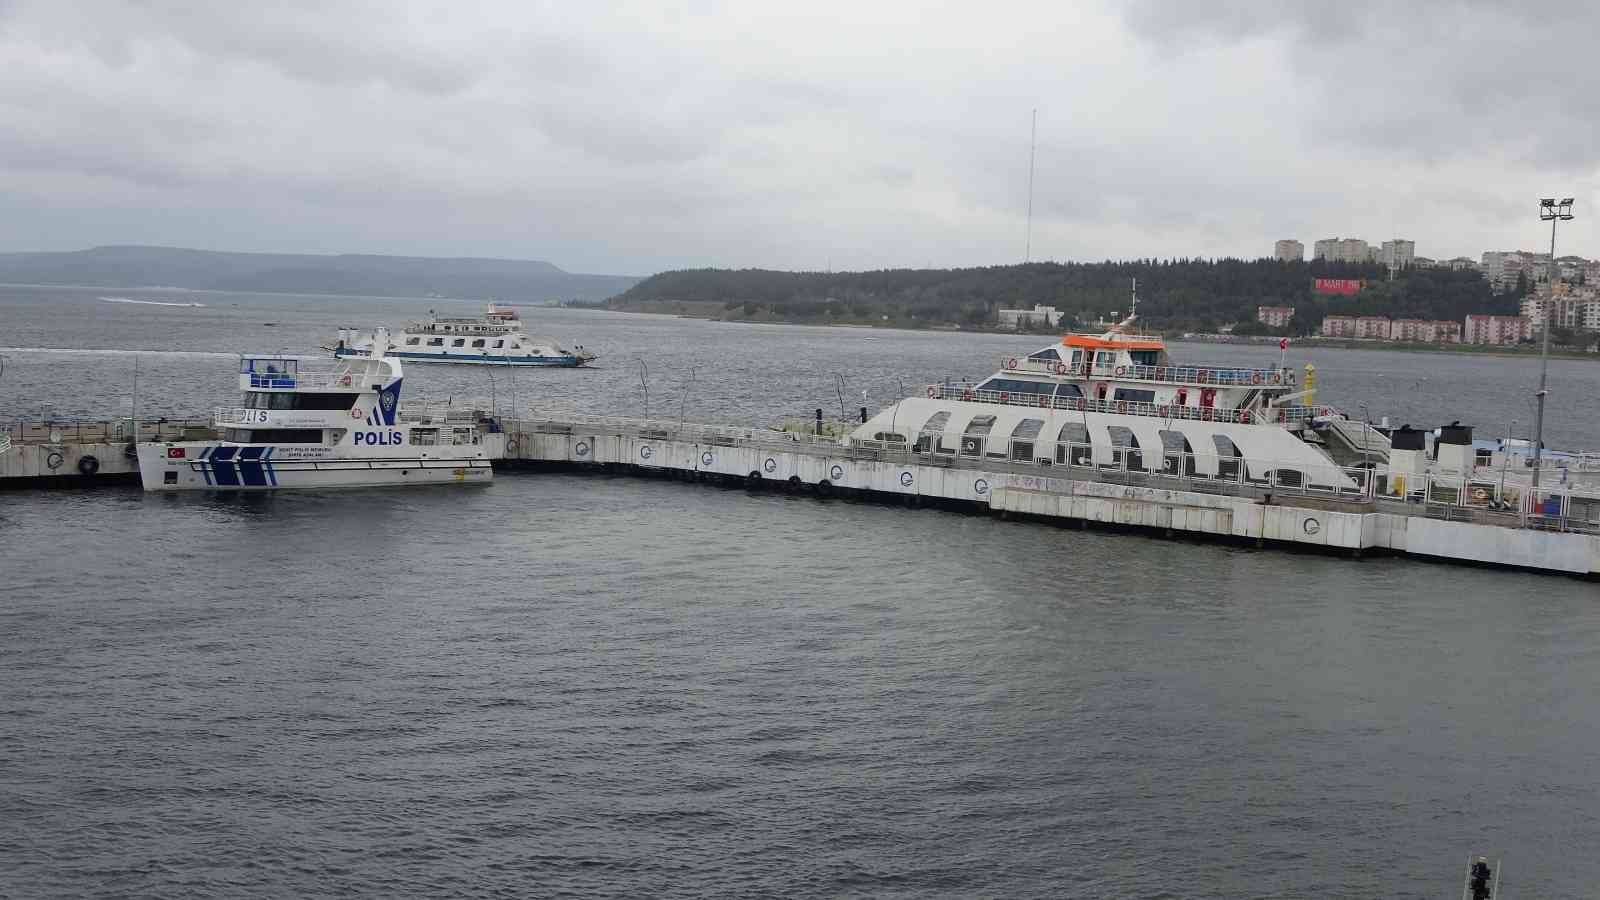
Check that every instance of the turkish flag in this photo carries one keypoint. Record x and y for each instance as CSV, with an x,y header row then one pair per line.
x,y
1283,343
176,453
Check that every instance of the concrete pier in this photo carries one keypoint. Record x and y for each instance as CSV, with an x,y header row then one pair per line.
x,y
1431,515
67,453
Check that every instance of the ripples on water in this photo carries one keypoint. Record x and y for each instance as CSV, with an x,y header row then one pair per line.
x,y
562,685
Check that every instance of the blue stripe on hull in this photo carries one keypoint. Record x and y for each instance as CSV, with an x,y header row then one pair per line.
x,y
222,466
564,362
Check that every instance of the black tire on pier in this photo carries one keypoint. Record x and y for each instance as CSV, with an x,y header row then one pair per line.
x,y
824,488
753,481
794,483
88,465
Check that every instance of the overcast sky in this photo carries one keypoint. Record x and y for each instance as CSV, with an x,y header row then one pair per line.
x,y
638,137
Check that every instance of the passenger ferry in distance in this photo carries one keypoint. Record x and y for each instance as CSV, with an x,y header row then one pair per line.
x,y
1116,400
495,339
339,426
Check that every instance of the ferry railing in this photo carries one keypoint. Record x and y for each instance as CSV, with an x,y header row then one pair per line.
x,y
1203,376
1272,416
332,379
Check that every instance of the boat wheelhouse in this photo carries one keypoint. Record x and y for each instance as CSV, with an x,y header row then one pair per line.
x,y
302,425
495,338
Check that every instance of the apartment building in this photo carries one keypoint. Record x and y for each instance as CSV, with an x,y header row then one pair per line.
x,y
1289,250
1274,316
1484,329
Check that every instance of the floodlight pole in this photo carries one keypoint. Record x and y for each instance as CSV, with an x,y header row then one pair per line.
x,y
1552,212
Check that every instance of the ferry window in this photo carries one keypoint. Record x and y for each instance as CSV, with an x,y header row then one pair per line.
x,y
1046,353
412,342
478,342
1177,457
1016,386
1069,392
1133,395
889,437
1227,457
499,344
1077,358
435,342
1104,358
279,436
1145,357
1073,439
932,436
976,435
458,342
1022,439
1125,447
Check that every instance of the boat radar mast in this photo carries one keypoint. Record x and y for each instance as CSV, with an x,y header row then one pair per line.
x,y
1133,308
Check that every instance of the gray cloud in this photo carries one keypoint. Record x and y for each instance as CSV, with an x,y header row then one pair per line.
x,y
635,137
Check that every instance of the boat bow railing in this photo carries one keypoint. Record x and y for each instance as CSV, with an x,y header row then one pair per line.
x,y
1272,416
1198,375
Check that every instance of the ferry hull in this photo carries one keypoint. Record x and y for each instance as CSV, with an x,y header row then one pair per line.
x,y
161,470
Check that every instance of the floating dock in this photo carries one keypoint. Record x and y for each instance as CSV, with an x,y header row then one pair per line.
x,y
1440,516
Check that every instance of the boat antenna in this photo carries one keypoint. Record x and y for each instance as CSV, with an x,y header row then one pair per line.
x,y
1033,145
644,383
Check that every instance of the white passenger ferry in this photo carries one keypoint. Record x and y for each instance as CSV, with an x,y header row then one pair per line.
x,y
496,338
1115,400
338,426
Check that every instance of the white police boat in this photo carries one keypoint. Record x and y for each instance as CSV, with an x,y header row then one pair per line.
x,y
496,338
337,426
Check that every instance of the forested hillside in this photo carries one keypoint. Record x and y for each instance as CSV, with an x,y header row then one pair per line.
x,y
1176,295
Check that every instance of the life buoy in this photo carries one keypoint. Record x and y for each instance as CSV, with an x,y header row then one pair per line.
x,y
1122,406
932,392
1255,377
1060,368
966,394
1326,412
1005,396
88,465
1163,411
1277,378
1244,416
1011,362
1044,399
1202,376
1122,370
345,380
355,412
1205,414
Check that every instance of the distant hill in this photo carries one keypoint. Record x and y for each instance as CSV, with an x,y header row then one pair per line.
x,y
1174,295
529,281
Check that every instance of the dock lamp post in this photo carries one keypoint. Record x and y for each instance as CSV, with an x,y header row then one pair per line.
x,y
1551,211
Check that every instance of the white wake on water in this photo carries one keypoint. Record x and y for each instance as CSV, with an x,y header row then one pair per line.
x,y
148,302
114,352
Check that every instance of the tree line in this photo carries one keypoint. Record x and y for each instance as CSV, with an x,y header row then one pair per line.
x,y
1174,295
